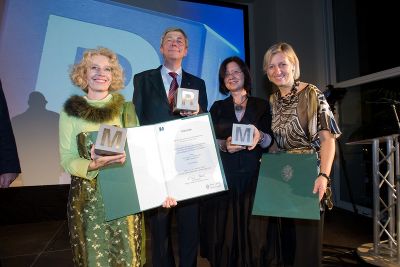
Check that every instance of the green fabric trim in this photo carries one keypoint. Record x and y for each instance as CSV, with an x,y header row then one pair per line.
x,y
128,116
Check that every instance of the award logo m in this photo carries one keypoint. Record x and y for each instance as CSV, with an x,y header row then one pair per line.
x,y
111,141
243,135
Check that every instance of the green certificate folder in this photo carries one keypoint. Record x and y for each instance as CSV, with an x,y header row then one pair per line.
x,y
178,158
285,185
118,190
117,185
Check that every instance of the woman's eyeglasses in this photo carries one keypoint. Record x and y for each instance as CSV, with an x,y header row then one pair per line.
x,y
235,73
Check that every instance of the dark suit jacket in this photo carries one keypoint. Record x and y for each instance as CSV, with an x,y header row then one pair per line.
x,y
150,98
9,162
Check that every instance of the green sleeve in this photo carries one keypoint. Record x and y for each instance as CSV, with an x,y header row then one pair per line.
x,y
70,160
129,117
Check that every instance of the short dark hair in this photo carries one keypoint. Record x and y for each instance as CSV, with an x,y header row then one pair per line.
x,y
243,67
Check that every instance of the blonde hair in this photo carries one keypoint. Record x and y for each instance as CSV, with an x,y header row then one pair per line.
x,y
288,51
78,73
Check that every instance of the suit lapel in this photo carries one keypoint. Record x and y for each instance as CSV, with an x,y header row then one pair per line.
x,y
157,84
249,112
229,108
186,80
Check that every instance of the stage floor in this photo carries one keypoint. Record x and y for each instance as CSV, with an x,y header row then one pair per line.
x,y
46,244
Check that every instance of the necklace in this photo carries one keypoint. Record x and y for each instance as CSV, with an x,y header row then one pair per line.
x,y
239,107
285,107
289,97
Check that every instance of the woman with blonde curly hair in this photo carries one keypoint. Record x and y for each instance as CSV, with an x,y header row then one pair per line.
x,y
95,241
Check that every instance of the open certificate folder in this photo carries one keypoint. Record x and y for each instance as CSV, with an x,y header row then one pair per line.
x,y
177,158
285,185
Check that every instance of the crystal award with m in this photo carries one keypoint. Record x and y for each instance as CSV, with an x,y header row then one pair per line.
x,y
110,140
242,134
177,158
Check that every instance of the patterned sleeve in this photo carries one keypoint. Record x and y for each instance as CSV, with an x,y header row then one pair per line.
x,y
322,117
326,120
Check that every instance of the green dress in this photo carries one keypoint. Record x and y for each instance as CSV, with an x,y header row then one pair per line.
x,y
95,241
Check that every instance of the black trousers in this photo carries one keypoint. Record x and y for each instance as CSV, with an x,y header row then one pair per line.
x,y
299,241
187,220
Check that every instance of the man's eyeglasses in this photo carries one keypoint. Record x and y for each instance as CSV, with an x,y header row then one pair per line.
x,y
235,73
179,42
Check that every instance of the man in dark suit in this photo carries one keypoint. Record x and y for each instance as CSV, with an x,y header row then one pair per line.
x,y
152,105
9,162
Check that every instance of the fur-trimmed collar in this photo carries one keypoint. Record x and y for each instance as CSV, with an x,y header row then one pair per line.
x,y
77,106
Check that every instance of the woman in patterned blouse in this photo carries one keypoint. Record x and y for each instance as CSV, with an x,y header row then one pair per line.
x,y
301,120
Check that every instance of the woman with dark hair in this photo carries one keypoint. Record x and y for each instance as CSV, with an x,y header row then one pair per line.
x,y
226,217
